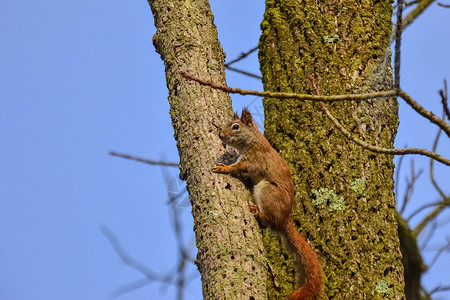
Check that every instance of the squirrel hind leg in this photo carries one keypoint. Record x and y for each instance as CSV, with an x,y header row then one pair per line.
x,y
273,204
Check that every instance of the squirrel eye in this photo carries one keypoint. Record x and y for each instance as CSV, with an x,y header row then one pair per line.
x,y
235,127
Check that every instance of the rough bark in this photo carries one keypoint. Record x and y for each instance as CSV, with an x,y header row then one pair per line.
x,y
344,194
230,252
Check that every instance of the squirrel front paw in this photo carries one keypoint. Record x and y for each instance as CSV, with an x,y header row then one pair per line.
x,y
221,168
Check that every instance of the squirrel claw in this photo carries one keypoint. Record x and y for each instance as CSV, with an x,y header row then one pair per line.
x,y
253,209
220,168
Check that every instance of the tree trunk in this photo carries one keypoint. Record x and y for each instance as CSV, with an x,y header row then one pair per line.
x,y
230,251
344,194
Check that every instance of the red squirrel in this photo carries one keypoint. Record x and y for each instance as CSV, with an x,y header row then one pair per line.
x,y
273,193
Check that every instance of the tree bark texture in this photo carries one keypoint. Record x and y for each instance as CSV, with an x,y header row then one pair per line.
x,y
230,251
344,204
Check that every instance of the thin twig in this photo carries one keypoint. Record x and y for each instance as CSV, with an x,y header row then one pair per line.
x,y
440,289
431,216
427,238
420,8
143,160
241,56
372,148
410,186
183,249
140,283
422,208
131,262
444,100
414,14
444,5
441,250
425,113
243,72
433,180
398,40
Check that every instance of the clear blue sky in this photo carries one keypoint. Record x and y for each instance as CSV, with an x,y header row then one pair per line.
x,y
81,78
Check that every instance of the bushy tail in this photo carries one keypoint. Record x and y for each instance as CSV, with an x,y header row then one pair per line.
x,y
310,262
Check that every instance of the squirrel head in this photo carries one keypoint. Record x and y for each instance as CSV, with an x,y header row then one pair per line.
x,y
240,132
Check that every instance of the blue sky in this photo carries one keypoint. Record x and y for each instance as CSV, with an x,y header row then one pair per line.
x,y
81,78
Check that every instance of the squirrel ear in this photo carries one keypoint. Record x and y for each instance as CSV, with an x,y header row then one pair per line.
x,y
236,116
246,117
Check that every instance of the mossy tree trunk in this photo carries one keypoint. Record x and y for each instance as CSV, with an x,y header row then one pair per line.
x,y
344,194
230,251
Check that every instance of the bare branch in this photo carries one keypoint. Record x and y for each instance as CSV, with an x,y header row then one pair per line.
x,y
440,251
183,248
306,97
243,72
242,56
385,94
440,207
372,148
131,287
131,262
444,97
398,40
147,161
433,181
420,8
444,5
410,186
425,113
427,238
440,289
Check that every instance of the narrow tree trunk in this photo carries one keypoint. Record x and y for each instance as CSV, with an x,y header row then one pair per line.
x,y
230,252
344,194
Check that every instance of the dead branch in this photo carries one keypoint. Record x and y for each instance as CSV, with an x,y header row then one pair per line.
x,y
143,160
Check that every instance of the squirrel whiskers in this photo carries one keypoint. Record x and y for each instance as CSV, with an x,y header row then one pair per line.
x,y
273,193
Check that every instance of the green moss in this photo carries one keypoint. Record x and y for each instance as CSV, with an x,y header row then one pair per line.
x,y
330,39
359,187
333,201
212,66
382,287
